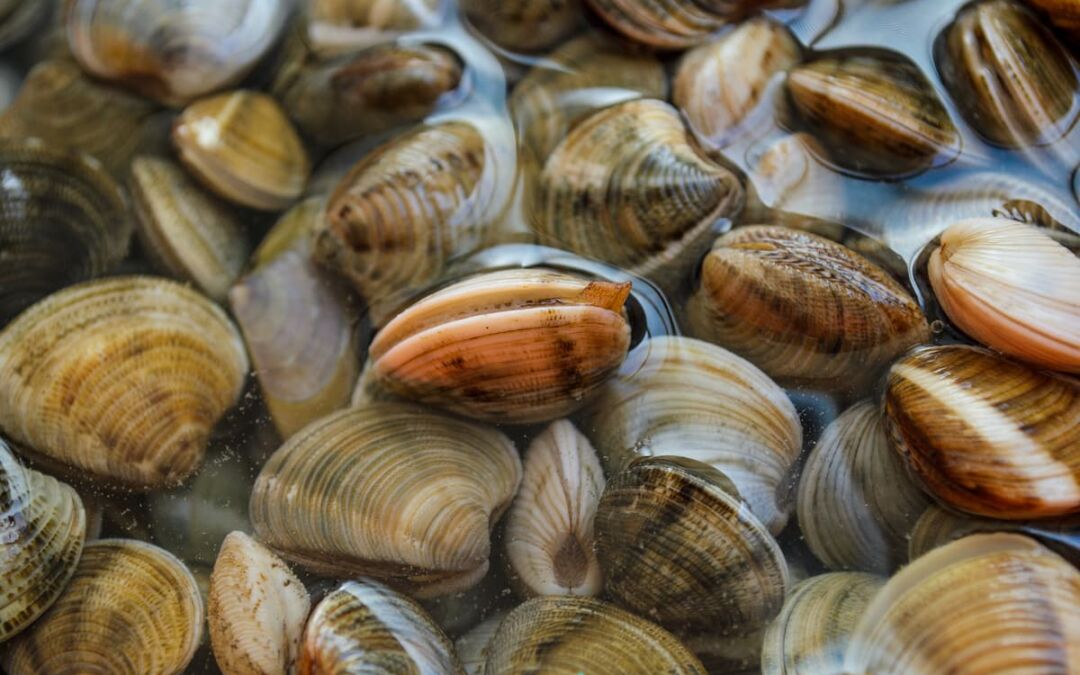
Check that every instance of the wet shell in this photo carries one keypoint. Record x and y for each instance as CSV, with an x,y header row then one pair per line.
x,y
802,308
19,18
173,51
986,435
525,25
626,186
42,526
63,220
563,634
365,627
257,609
696,400
388,490
187,232
875,113
938,526
984,604
336,26
668,24
811,633
472,647
521,345
120,379
786,174
131,608
856,504
549,531
677,544
1011,287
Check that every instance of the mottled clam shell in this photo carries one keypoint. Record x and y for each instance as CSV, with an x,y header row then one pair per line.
x,y
987,435
365,627
667,24
565,634
121,379
525,25
389,490
337,26
992,603
130,609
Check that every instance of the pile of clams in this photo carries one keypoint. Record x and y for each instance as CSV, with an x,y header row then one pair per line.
x,y
539,336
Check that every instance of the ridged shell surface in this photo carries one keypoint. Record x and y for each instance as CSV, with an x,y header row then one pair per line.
x,y
667,24
939,526
525,25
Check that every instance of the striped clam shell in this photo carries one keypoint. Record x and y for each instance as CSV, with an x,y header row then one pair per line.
x,y
938,526
668,24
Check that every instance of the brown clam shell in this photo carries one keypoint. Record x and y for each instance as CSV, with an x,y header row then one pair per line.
x,y
525,25
668,24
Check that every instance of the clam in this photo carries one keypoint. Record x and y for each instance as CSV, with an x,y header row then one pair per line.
x,y
242,147
365,627
472,647
669,24
525,25
1012,80
336,26
938,526
121,379
628,187
987,435
785,175
64,221
549,530
42,526
389,490
1011,287
131,608
173,51
257,609
856,504
19,18
677,544
874,112
985,603
187,232
566,634
811,632
696,400
804,309
520,345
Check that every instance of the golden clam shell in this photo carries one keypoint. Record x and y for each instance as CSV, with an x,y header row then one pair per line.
x,y
938,526
336,26
525,25
121,379
520,345
389,490
667,24
131,608
986,435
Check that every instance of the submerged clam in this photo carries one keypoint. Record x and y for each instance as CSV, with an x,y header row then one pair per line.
x,y
938,526
786,175
520,345
672,24
472,647
987,435
525,25
336,26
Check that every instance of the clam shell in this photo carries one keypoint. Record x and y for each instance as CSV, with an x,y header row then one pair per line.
x,y
667,24
626,186
257,609
42,531
472,647
364,626
986,603
525,25
986,435
787,176
120,380
336,26
131,608
678,545
1011,287
565,634
389,490
521,345
696,400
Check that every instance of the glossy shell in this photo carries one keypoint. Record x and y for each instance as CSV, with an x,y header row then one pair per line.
x,y
667,24
525,25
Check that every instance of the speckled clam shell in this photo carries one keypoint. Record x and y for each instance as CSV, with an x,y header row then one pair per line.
x,y
938,526
563,634
391,491
364,626
257,609
987,435
130,609
678,545
696,400
985,603
121,379
667,24
525,25
339,26
520,345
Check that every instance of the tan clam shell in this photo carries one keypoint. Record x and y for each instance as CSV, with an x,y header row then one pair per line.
x,y
986,435
337,26
120,379
667,24
938,526
525,25
520,345
364,626
257,609
567,634
130,609
1011,287
549,529
985,603
856,505
696,400
389,490
242,146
